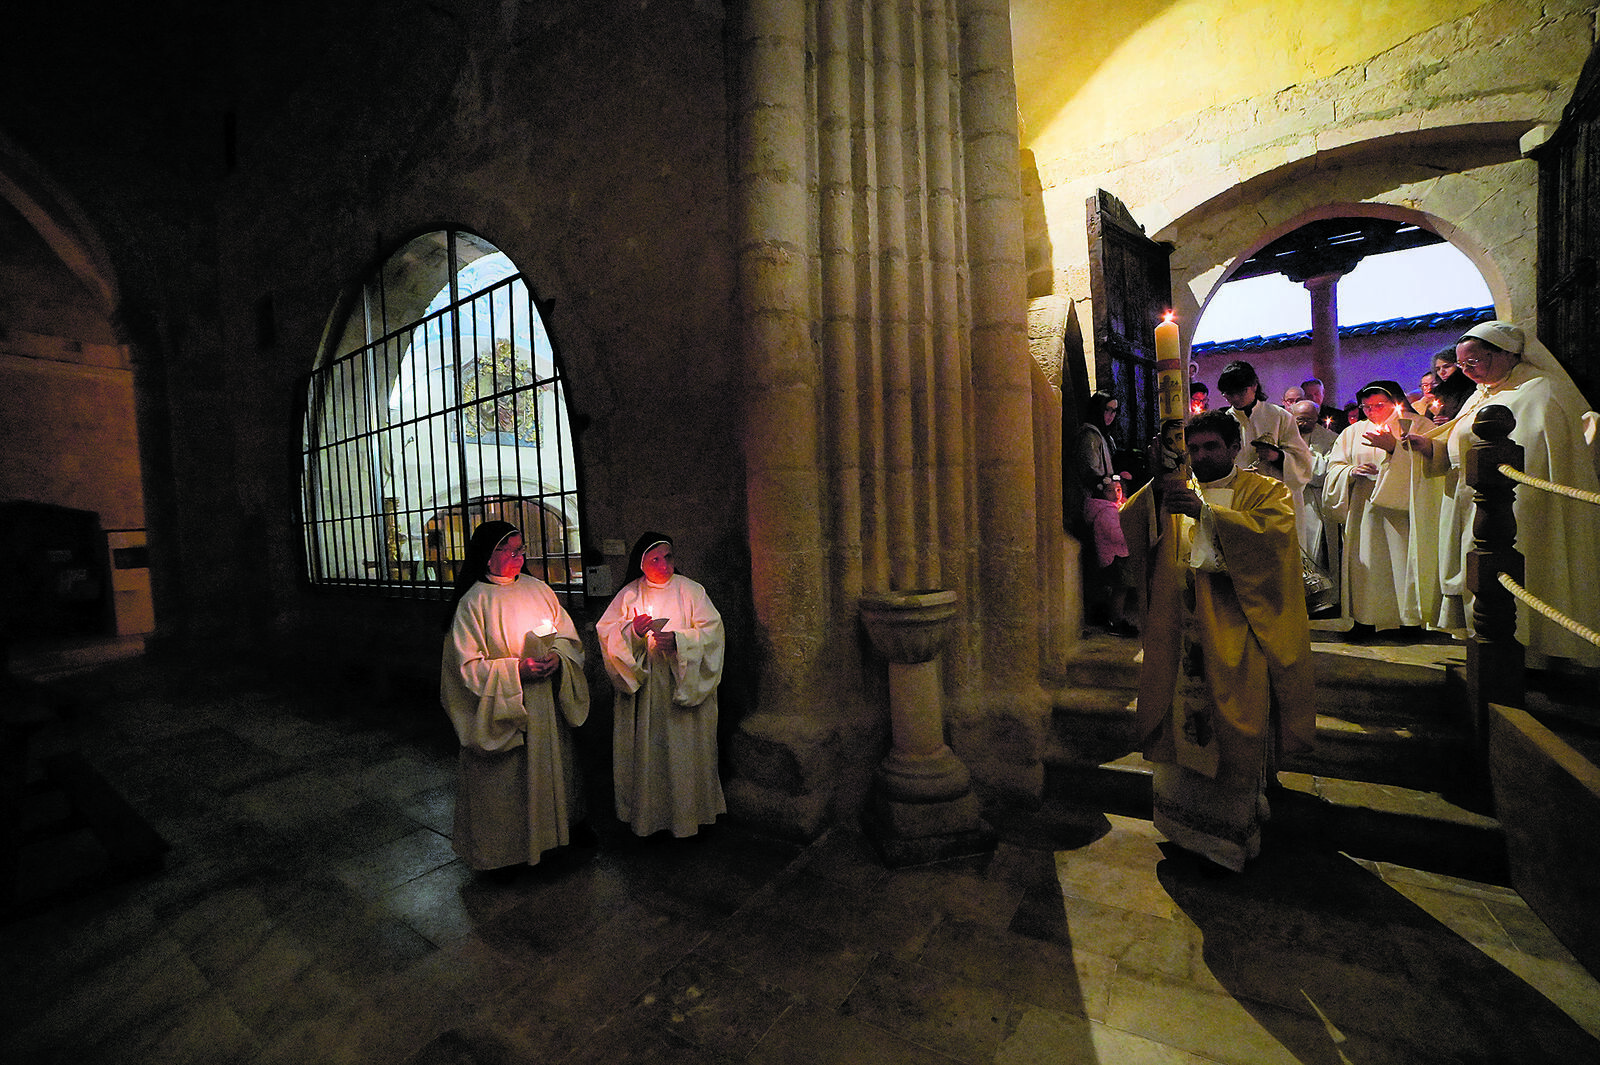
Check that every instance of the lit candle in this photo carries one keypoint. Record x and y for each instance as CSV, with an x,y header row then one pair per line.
x,y
1172,396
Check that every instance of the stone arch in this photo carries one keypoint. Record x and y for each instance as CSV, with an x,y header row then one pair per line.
x,y
1475,190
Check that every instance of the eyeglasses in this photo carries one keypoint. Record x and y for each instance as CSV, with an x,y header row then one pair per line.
x,y
517,551
1377,404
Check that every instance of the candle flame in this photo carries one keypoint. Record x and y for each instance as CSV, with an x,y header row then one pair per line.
x,y
1168,316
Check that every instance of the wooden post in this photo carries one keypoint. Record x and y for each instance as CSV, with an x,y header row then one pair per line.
x,y
1494,657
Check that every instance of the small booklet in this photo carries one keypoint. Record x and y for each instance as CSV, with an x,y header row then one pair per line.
x,y
539,642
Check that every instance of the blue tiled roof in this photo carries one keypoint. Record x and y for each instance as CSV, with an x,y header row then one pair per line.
x,y
1462,319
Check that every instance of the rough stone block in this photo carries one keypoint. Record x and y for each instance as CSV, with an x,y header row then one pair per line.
x,y
800,817
785,753
1547,798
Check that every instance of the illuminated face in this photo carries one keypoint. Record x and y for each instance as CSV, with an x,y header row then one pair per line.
x,y
1209,456
1483,364
657,564
1199,403
1377,407
506,560
1314,393
1443,368
1426,383
1291,396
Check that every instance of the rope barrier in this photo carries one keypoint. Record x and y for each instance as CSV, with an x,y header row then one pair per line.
x,y
1583,632
1579,494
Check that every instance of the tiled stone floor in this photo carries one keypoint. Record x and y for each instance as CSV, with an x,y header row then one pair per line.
x,y
311,911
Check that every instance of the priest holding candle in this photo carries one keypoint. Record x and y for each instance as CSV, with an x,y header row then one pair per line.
x,y
512,682
1226,683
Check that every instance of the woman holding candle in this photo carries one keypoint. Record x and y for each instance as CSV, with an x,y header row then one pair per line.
x,y
1557,535
1368,488
512,682
663,645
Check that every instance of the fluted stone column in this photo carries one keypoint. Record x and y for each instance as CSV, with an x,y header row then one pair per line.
x,y
889,444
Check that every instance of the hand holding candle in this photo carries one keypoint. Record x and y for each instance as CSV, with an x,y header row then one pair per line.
x,y
539,658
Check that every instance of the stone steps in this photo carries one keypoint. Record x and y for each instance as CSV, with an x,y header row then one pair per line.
x,y
1376,822
1390,777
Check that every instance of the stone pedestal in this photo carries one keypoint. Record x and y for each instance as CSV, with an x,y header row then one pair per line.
x,y
922,807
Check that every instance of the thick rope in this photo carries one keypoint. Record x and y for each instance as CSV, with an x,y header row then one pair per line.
x,y
1583,632
1579,494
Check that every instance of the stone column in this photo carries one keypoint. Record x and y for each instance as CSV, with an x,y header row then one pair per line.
x,y
923,808
1324,289
882,304
1001,364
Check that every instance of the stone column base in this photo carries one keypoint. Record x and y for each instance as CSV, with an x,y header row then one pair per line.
x,y
913,833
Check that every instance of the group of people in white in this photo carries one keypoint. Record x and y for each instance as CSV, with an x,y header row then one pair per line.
x,y
512,681
1382,502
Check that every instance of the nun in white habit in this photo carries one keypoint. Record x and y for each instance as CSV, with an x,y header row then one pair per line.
x,y
663,645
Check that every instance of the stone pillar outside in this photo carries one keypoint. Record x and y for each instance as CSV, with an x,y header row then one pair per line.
x,y
1324,289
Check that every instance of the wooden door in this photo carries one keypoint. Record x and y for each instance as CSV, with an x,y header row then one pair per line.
x,y
1130,288
1569,234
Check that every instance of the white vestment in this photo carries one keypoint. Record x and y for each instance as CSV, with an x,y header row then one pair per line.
x,y
517,793
665,753
1379,585
1319,533
1271,424
1558,537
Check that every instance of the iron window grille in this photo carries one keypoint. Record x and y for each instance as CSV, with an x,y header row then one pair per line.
x,y
439,403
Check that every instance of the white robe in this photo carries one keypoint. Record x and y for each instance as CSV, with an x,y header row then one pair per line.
x,y
1379,583
1558,537
517,793
1271,423
664,758
1319,533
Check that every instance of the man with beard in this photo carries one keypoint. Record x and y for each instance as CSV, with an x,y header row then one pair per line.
x,y
1226,685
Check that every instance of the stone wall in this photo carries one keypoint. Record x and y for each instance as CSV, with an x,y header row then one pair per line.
x,y
587,142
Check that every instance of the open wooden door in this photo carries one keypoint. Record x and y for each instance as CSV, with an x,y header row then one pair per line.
x,y
1569,234
1130,286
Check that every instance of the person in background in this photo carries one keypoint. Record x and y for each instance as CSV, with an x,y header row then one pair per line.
x,y
1436,558
1558,536
1291,396
1272,441
1444,362
663,644
1111,585
1199,398
1332,417
1423,402
1449,394
1368,488
1352,414
511,679
1095,443
1096,469
1215,723
1319,536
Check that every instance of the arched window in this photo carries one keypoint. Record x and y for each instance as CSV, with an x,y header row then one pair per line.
x,y
437,404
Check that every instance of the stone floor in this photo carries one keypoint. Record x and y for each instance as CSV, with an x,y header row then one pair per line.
x,y
310,910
